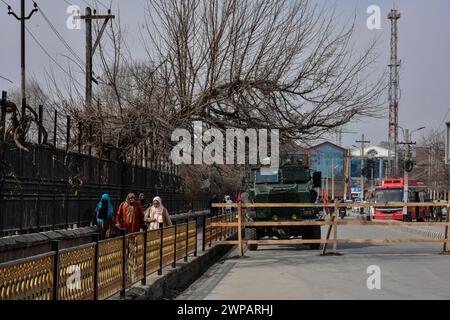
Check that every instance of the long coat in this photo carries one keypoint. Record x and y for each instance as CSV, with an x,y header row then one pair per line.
x,y
123,221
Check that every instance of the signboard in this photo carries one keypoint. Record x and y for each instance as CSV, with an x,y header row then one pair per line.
x,y
447,143
355,193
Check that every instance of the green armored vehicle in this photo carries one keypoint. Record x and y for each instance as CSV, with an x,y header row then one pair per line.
x,y
291,183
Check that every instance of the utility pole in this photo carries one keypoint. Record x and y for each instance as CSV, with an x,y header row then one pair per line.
x,y
22,20
372,184
362,142
407,168
90,48
328,172
347,173
332,179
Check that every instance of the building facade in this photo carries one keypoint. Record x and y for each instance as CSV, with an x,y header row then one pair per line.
x,y
331,160
341,168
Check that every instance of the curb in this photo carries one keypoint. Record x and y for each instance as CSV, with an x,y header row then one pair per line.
x,y
424,232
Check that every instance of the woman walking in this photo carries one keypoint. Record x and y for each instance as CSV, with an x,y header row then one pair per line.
x,y
130,215
157,214
104,212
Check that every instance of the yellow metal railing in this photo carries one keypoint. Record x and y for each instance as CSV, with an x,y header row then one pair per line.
x,y
103,268
28,279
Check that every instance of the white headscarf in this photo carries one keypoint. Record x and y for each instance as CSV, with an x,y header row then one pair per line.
x,y
154,215
161,207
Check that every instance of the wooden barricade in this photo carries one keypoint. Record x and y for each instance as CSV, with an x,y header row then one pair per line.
x,y
332,224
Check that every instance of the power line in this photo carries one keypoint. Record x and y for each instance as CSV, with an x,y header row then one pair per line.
x,y
104,6
6,79
96,2
5,3
445,117
48,54
64,42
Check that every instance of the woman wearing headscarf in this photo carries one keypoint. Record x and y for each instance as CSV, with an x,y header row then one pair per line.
x,y
130,215
104,213
157,214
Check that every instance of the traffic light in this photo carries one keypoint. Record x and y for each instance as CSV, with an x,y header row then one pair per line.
x,y
409,165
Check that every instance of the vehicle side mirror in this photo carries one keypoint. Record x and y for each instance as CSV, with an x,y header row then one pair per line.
x,y
317,179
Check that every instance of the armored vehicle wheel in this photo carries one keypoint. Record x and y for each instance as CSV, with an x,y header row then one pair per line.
x,y
251,234
315,234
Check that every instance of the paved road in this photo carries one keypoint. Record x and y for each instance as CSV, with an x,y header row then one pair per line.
x,y
408,271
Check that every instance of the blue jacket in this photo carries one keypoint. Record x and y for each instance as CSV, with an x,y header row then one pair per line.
x,y
110,208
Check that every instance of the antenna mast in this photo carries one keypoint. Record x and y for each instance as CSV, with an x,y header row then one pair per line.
x,y
394,91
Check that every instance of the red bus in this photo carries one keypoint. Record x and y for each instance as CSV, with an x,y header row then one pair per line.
x,y
391,190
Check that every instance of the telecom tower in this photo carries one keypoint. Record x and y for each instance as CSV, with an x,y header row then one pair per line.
x,y
394,91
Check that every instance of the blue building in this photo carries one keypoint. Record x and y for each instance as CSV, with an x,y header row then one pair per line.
x,y
330,159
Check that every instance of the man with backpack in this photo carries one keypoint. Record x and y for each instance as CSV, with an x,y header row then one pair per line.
x,y
104,213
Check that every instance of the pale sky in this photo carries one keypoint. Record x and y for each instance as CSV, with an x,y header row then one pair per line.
x,y
424,48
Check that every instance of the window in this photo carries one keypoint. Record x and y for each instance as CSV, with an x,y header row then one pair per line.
x,y
270,177
292,175
389,195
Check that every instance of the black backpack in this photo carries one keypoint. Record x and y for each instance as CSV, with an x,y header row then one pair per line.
x,y
103,211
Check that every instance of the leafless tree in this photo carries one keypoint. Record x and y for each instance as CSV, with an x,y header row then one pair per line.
x,y
276,64
261,64
430,165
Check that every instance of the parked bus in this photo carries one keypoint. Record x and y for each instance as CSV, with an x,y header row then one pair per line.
x,y
391,190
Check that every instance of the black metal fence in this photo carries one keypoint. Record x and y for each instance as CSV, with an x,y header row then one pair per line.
x,y
48,188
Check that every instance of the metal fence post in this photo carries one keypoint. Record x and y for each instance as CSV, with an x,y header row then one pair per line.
x,y
55,128
55,248
144,280
96,239
124,263
68,127
447,219
211,232
161,228
3,124
174,264
90,140
196,235
80,138
335,213
3,116
187,241
204,234
40,120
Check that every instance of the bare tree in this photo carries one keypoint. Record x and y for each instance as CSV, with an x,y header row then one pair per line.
x,y
261,64
430,165
277,64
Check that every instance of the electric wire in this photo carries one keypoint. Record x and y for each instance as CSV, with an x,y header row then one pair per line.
x,y
51,58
